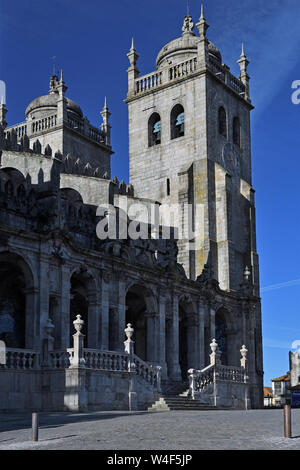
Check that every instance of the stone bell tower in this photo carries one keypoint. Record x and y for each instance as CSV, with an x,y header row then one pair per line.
x,y
189,143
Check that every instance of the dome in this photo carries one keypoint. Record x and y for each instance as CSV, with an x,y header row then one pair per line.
x,y
49,103
184,48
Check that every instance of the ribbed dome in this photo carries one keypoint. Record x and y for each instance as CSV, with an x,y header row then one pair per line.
x,y
184,48
50,102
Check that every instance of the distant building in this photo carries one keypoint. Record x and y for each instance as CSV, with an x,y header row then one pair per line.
x,y
281,389
268,396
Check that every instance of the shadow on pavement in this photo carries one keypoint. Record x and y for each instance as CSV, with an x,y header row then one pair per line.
x,y
54,420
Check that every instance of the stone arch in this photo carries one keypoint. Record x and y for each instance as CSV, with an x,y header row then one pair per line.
x,y
225,333
154,130
84,301
11,179
17,174
187,316
177,120
18,324
141,312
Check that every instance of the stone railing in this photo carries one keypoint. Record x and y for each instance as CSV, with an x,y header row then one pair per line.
x,y
43,124
96,134
200,380
148,372
59,359
21,359
148,82
222,72
183,69
20,130
75,125
105,360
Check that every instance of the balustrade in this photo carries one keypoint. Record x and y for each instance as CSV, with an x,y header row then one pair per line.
x,y
21,359
44,124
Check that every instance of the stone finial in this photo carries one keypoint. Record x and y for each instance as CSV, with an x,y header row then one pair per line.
x,y
202,25
116,181
37,148
132,54
97,173
48,150
105,126
87,169
244,77
78,324
123,187
25,142
132,71
58,155
188,25
14,140
3,112
130,190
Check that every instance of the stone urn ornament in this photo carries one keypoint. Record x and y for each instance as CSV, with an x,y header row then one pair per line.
x,y
214,346
78,324
129,331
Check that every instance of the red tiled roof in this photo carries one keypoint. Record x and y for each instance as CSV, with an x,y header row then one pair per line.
x,y
267,391
284,378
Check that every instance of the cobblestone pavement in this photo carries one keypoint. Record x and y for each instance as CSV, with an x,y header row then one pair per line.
x,y
180,430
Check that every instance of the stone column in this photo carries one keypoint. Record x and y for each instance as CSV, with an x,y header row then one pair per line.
x,y
129,349
94,319
192,342
212,322
201,336
48,343
162,336
65,286
104,337
152,337
44,297
175,371
32,320
76,395
121,292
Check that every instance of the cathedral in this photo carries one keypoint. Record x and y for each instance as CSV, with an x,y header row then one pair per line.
x,y
103,306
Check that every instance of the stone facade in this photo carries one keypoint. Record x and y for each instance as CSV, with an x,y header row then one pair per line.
x,y
55,172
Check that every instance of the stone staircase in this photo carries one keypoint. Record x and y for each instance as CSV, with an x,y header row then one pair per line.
x,y
175,397
179,403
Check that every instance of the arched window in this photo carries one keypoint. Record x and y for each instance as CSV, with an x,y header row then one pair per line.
x,y
222,122
177,122
154,130
236,131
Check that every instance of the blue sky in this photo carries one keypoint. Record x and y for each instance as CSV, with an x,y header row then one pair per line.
x,y
90,40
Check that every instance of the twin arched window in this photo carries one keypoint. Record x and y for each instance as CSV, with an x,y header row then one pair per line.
x,y
236,128
176,121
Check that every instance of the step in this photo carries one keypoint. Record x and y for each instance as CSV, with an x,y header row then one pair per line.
x,y
167,403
